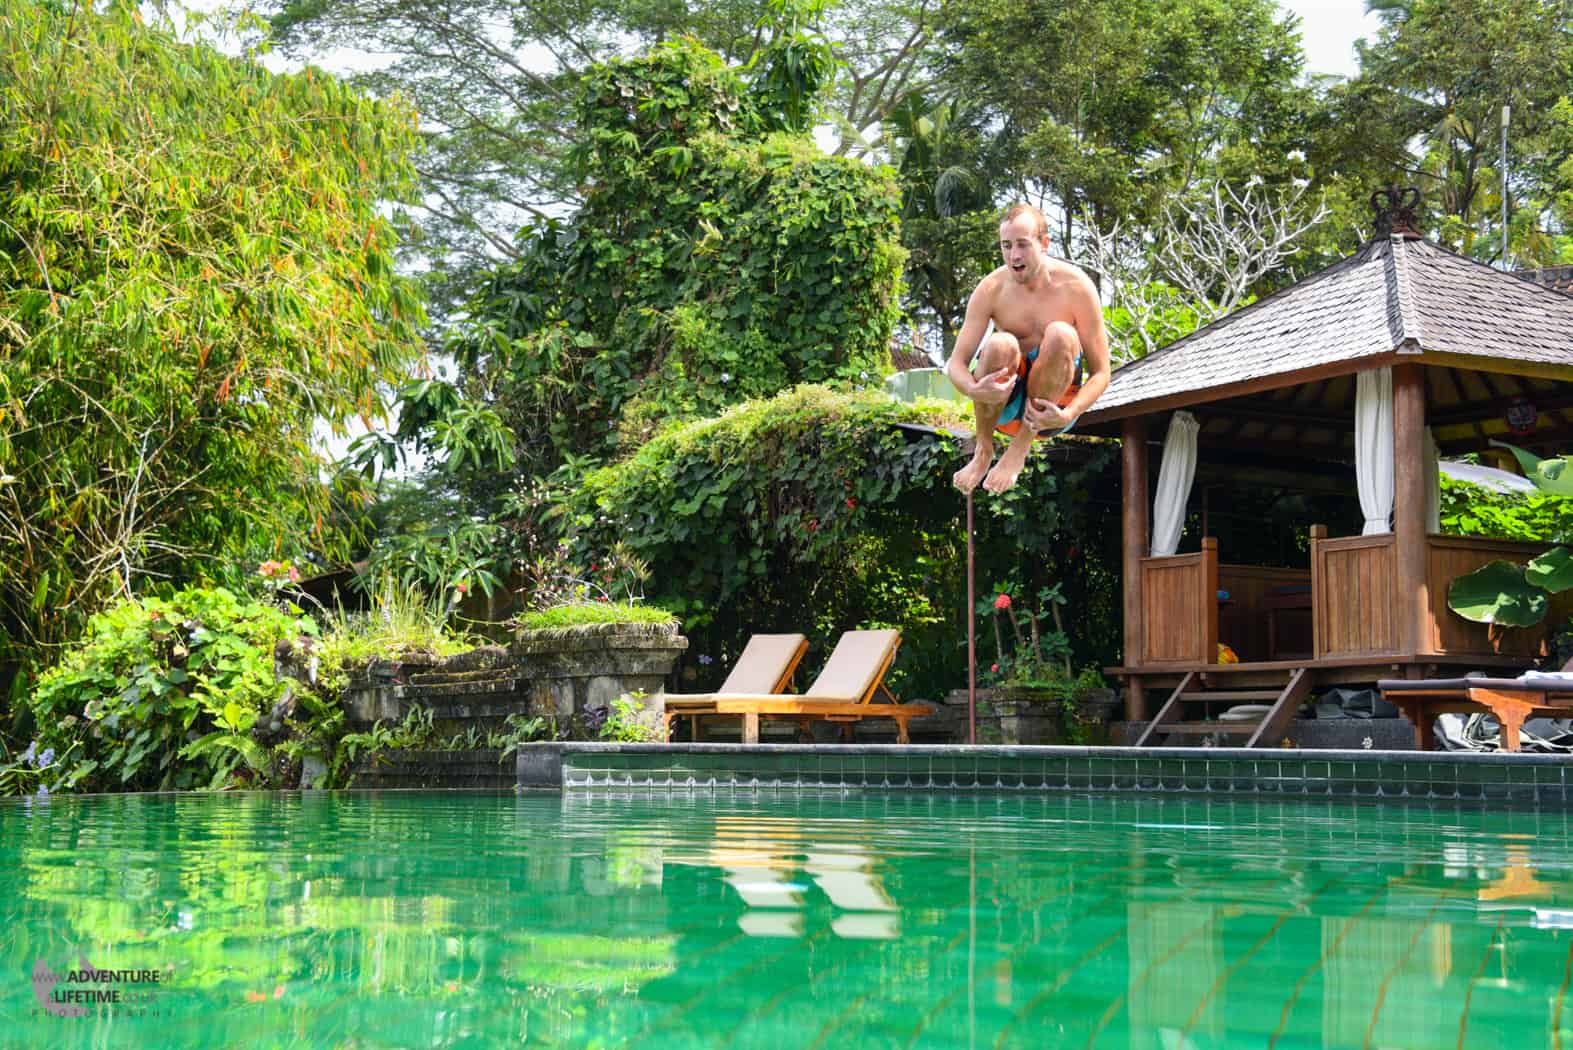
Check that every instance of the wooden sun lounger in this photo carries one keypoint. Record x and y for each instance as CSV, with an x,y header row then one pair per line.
x,y
844,692
766,665
1510,700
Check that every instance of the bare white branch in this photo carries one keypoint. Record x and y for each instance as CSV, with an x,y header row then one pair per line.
x,y
1198,261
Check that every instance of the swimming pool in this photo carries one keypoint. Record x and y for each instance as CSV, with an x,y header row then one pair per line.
x,y
780,920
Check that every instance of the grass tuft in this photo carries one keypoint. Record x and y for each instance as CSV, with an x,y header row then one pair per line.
x,y
594,612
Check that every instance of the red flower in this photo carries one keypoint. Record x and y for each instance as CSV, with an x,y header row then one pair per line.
x,y
812,524
994,667
851,503
462,588
1002,601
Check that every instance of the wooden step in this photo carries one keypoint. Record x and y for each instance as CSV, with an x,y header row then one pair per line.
x,y
1231,696
1262,732
1287,667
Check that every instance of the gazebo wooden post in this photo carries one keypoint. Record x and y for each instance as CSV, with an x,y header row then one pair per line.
x,y
1133,486
1409,504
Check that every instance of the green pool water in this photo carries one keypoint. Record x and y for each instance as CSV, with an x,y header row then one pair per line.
x,y
781,921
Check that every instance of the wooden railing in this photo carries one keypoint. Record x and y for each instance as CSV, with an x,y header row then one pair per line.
x,y
1445,632
1180,607
1358,602
1354,595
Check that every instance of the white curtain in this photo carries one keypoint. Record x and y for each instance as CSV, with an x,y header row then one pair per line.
x,y
1174,483
1374,448
1433,485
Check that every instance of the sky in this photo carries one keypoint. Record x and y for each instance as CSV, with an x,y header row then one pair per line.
x,y
1328,31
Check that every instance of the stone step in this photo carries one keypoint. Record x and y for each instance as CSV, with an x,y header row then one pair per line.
x,y
448,674
1204,728
447,683
451,700
465,709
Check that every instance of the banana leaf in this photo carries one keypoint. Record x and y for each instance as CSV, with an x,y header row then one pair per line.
x,y
1498,593
1552,571
1553,475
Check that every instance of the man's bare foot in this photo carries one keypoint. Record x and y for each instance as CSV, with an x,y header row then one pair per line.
x,y
1008,469
966,479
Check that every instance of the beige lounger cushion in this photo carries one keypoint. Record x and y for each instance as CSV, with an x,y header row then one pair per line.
x,y
856,665
760,668
859,659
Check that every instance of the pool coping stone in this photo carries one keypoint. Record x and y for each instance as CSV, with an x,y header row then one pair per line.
x,y
1276,773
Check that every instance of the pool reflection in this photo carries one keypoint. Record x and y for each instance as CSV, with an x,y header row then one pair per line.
x,y
784,921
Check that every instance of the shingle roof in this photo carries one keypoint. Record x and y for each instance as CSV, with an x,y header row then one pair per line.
x,y
1408,296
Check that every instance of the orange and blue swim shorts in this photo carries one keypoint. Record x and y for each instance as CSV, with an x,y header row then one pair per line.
x,y
1010,418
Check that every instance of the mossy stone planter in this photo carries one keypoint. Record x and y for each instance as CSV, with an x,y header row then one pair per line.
x,y
1025,715
577,668
557,673
1010,715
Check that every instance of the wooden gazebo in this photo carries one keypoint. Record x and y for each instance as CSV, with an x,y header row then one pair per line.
x,y
1473,353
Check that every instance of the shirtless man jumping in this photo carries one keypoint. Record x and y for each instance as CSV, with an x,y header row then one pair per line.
x,y
1047,320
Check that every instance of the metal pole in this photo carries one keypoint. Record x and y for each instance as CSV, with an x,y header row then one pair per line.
x,y
972,637
1506,111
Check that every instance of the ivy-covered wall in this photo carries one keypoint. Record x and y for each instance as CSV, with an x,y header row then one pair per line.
x,y
714,260
819,511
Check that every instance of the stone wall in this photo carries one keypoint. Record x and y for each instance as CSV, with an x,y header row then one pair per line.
x,y
482,769
560,674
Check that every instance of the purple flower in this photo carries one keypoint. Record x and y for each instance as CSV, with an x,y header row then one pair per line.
x,y
27,756
43,792
705,659
46,758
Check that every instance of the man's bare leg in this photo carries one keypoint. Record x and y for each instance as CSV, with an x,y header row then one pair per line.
x,y
1001,351
1051,375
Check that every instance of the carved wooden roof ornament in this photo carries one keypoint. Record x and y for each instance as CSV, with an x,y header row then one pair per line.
x,y
1395,212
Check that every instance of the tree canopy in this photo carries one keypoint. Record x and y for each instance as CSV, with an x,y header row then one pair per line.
x,y
496,83
627,225
195,270
1432,87
718,256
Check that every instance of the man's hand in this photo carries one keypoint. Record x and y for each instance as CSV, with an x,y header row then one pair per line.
x,y
1041,414
994,388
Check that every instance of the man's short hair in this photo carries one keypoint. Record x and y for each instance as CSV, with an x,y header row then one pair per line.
x,y
1040,222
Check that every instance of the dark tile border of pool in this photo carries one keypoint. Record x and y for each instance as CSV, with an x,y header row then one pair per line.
x,y
1486,777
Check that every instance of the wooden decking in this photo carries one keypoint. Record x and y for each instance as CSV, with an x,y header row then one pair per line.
x,y
1364,626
